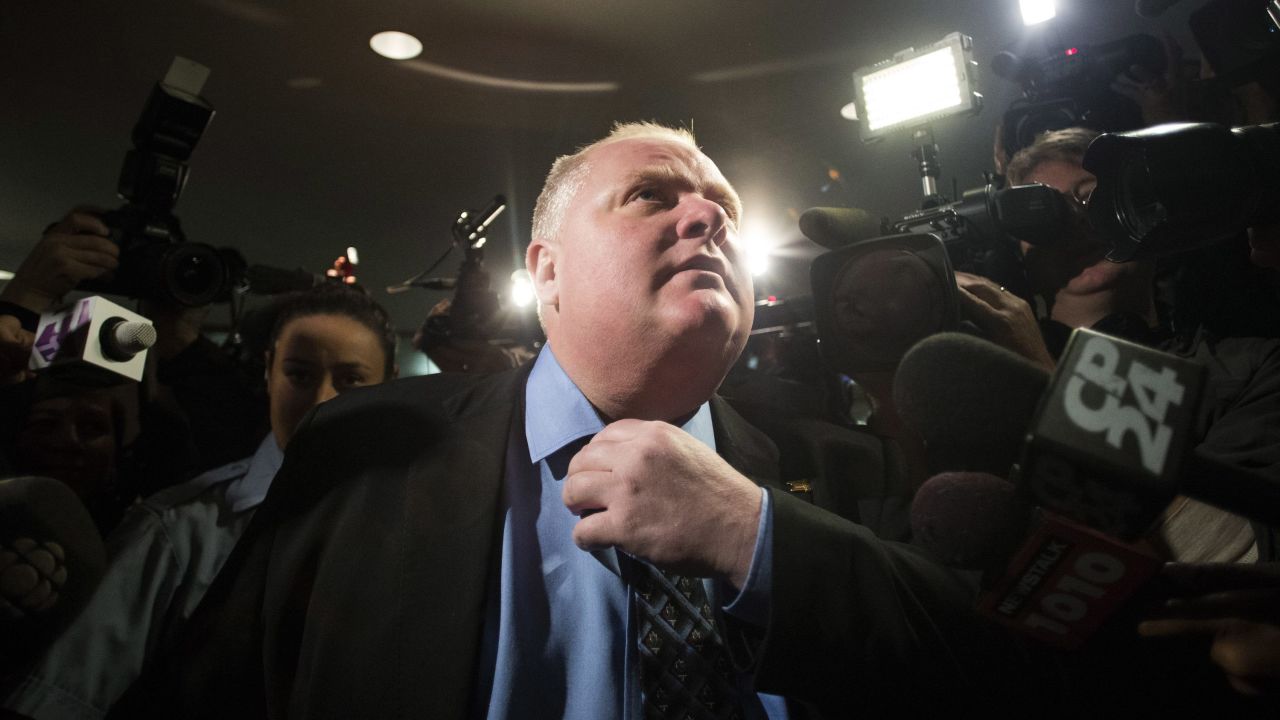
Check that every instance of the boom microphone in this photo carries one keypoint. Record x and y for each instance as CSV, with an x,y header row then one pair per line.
x,y
834,228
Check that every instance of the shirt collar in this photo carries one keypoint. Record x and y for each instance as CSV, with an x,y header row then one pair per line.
x,y
556,413
249,490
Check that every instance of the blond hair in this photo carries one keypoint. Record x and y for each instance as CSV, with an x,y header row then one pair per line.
x,y
569,171
1067,145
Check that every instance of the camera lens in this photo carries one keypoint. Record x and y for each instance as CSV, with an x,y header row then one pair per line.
x,y
193,274
1138,203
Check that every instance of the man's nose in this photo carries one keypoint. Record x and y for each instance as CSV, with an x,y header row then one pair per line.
x,y
702,218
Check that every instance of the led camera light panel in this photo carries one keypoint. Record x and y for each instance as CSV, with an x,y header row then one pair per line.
x,y
917,86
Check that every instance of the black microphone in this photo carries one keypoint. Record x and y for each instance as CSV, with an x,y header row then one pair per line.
x,y
1153,8
51,560
1108,441
834,228
969,399
1046,576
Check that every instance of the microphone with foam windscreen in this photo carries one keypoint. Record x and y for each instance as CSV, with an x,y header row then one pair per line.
x,y
1107,442
834,228
1046,576
51,560
969,399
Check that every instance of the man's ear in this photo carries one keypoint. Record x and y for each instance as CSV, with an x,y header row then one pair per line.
x,y
540,261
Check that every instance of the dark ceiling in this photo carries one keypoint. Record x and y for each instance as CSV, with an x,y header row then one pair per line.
x,y
318,143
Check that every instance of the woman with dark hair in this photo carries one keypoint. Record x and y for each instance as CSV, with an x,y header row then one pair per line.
x,y
167,550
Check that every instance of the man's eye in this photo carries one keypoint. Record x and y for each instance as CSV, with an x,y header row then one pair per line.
x,y
646,195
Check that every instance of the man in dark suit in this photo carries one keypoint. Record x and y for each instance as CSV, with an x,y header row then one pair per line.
x,y
525,545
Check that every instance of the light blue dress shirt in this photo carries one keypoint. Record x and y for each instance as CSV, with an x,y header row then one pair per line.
x,y
559,635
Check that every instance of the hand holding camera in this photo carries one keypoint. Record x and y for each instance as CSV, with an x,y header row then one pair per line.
x,y
72,250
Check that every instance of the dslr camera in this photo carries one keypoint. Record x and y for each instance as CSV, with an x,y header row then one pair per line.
x,y
156,261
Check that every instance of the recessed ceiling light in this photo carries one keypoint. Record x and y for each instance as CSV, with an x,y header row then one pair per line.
x,y
396,45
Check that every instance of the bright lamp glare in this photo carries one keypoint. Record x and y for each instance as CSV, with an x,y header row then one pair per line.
x,y
353,256
918,87
1035,12
396,45
521,288
757,242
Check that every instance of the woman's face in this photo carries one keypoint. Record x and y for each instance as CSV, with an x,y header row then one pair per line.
x,y
315,358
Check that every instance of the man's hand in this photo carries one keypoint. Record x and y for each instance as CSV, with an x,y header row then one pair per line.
x,y
655,492
1162,98
1236,605
15,350
74,249
1006,318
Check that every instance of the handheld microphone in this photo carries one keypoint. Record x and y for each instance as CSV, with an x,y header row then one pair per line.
x,y
1047,577
1108,443
969,399
51,559
95,342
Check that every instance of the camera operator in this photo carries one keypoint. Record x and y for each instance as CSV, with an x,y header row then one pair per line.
x,y
200,414
1239,421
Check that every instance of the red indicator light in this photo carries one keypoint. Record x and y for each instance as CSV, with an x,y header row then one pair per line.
x,y
773,298
1073,51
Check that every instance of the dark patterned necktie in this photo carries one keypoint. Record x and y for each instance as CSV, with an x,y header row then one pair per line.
x,y
684,666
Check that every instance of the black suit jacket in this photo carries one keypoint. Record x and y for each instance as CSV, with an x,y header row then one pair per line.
x,y
360,588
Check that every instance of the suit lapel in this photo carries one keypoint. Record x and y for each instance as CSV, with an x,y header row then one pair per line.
x,y
744,447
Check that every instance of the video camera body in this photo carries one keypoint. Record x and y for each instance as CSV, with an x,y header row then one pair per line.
x,y
1072,88
988,219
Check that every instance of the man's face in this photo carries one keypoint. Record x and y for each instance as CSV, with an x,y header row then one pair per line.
x,y
648,256
1078,265
72,439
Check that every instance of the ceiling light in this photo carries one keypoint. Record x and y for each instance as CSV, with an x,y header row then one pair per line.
x,y
396,45
1035,12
